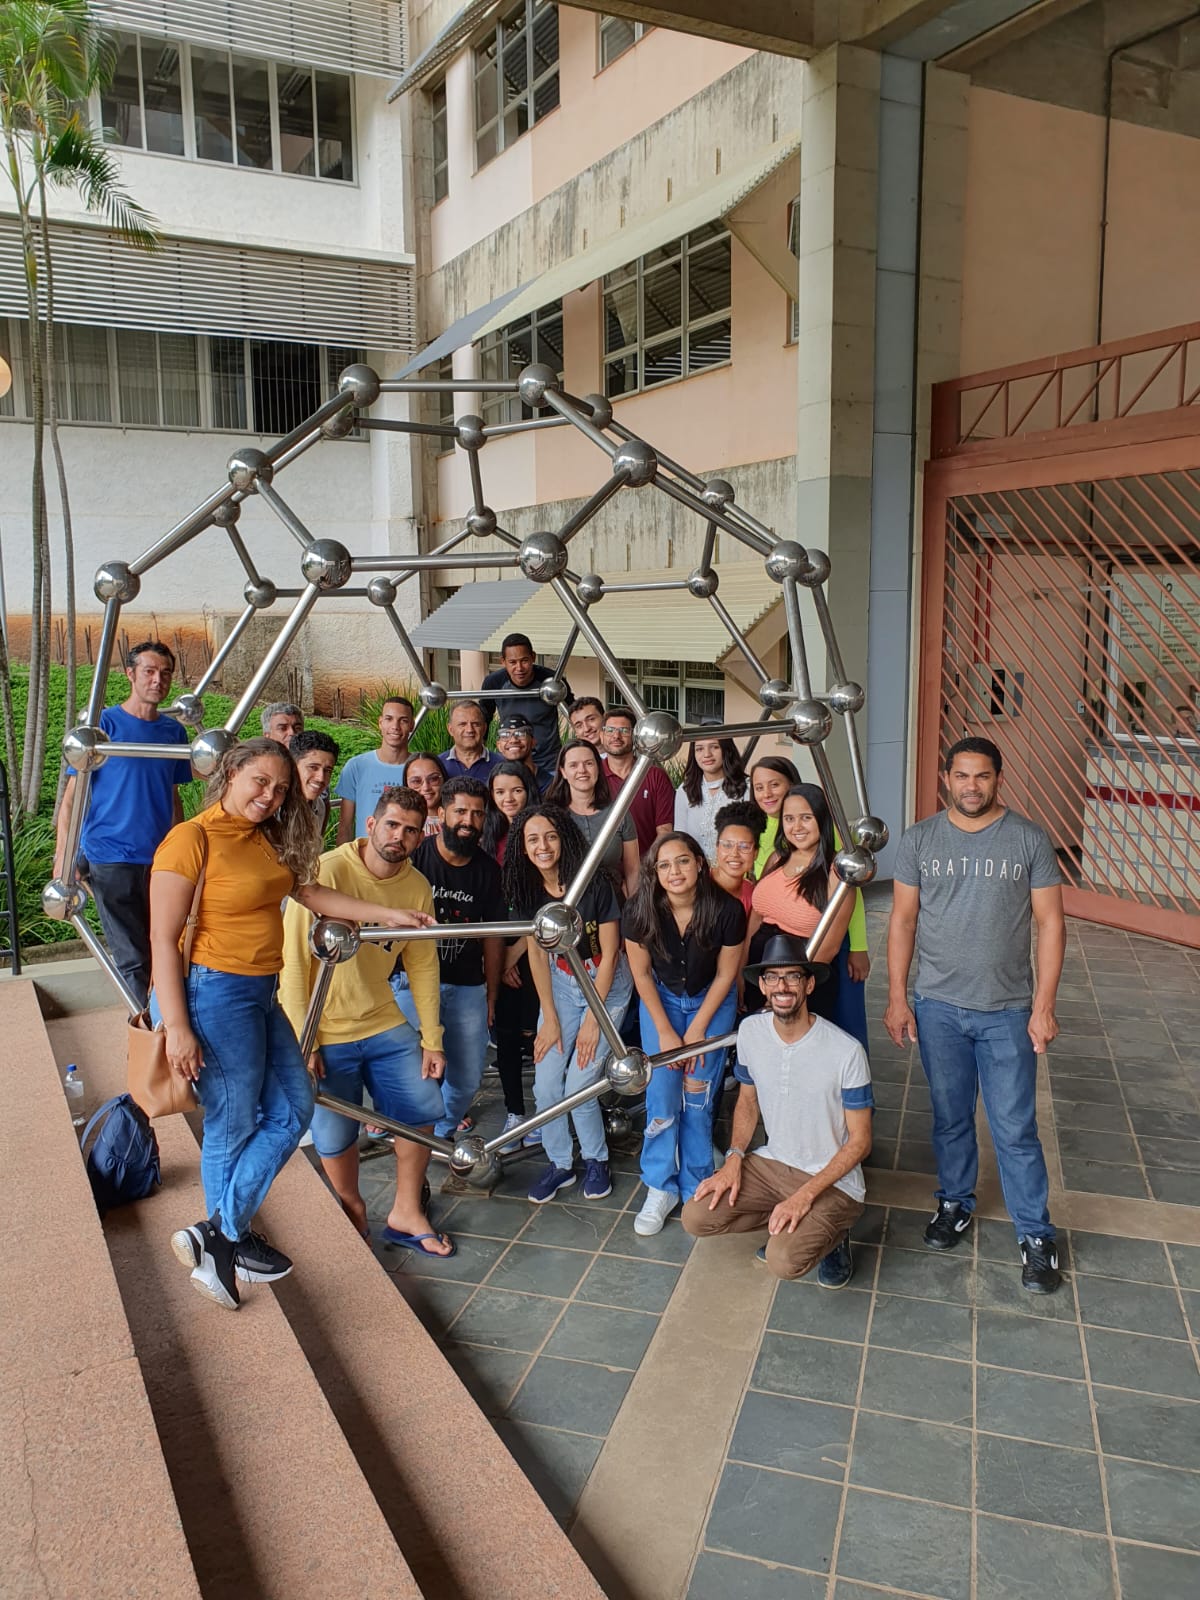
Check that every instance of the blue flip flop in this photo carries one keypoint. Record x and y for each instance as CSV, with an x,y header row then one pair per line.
x,y
413,1241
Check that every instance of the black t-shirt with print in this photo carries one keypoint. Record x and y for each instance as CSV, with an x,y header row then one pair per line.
x,y
686,966
461,894
599,904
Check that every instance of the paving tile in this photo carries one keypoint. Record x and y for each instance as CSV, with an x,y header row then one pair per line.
x,y
672,1244
888,1097
625,1186
802,1306
1007,1339
1017,1561
1180,1153
996,1240
1133,1361
436,1304
905,1229
1157,1096
490,1376
1039,1483
793,1435
494,1219
603,1334
506,1320
1134,1308
1149,1428
539,1269
1095,1177
1101,1118
557,1464
929,1327
883,1155
885,1124
1175,1187
637,1285
1156,1505
1052,1410
814,1369
576,1395
894,1453
927,1276
572,1227
1082,1144
718,1577
998,1288
473,1260
869,1227
1138,1260
1079,1058
774,1517
1191,1309
1096,1091
1165,1124
1186,1259
1156,1574
917,1386
906,1544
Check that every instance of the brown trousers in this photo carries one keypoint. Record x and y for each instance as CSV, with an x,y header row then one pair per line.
x,y
764,1184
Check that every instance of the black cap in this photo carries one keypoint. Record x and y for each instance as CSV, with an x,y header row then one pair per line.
x,y
781,950
515,722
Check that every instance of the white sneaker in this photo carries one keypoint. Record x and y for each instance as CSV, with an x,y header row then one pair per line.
x,y
656,1208
511,1121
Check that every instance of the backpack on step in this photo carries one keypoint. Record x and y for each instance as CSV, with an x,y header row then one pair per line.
x,y
123,1163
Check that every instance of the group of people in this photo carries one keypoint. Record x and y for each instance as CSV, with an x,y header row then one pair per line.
x,y
700,910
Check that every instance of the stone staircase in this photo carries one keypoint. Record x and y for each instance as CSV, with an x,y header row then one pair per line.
x,y
314,1444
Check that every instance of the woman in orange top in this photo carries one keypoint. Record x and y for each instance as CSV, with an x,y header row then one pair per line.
x,y
790,896
255,843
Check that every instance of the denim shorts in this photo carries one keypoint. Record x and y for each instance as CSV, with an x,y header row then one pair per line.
x,y
388,1064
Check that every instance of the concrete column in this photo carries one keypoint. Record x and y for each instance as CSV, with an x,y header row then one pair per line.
x,y
472,666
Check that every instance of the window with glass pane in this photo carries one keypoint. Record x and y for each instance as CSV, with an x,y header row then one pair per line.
x,y
667,315
162,97
89,384
212,106
285,384
227,358
121,100
252,113
516,77
137,376
618,34
503,354
297,144
8,402
178,364
334,154
441,147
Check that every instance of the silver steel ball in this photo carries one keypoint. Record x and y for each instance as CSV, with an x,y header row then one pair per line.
x,y
811,721
702,584
260,595
190,708
618,1124
326,562
247,466
855,866
433,696
533,381
717,493
227,513
787,560
360,382
628,1074
83,748
381,591
553,692
590,588
557,927
208,748
542,556
482,521
468,1153
60,900
339,427
846,697
469,431
636,462
114,581
816,570
330,939
775,694
869,833
601,408
486,1173
657,734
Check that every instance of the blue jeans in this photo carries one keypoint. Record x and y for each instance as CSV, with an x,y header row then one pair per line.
x,y
464,1038
558,1073
254,1087
389,1064
964,1052
677,1152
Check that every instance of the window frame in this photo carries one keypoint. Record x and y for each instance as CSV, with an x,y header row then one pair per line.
x,y
498,410
793,228
438,113
527,11
636,272
640,30
674,680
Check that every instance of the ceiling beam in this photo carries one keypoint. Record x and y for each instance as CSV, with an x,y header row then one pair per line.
x,y
1019,27
785,27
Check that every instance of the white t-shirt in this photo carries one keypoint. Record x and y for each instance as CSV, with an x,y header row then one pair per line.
x,y
804,1090
701,820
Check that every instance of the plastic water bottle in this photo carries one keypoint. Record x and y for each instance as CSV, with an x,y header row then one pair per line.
x,y
73,1084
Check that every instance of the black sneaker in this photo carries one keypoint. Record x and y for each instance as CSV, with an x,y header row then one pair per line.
x,y
257,1261
1039,1270
947,1225
835,1270
205,1249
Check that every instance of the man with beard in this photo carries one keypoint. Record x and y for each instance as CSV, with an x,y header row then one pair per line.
x,y
360,1039
653,809
811,1084
968,883
466,888
521,671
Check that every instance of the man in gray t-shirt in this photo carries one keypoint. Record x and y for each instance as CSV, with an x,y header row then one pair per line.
x,y
969,883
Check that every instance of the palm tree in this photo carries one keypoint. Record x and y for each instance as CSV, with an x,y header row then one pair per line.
x,y
53,54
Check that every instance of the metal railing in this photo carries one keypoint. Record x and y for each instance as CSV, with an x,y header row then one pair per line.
x,y
8,871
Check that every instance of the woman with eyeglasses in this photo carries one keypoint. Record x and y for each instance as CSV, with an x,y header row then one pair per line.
x,y
581,787
738,829
715,774
684,938
426,775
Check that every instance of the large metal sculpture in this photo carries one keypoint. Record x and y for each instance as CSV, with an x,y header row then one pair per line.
x,y
326,568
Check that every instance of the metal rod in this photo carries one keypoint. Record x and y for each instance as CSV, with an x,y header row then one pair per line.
x,y
564,655
476,474
654,585
559,402
273,498
857,770
271,660
689,478
570,1102
445,386
179,535
614,815
406,644
104,650
316,1005
394,425
739,638
525,425
832,653
466,930
301,445
710,544
694,503
243,555
589,631
668,1058
79,801
493,694
427,563
752,744
441,1148
148,752
825,774
840,890
728,730
334,406
596,1005
795,628
590,507
132,1001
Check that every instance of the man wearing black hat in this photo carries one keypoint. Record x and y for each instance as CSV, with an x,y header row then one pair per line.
x,y
811,1084
514,742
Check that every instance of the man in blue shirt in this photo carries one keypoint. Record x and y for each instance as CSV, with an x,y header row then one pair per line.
x,y
134,802
521,671
468,756
364,777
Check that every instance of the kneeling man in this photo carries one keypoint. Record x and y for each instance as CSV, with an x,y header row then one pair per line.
x,y
812,1085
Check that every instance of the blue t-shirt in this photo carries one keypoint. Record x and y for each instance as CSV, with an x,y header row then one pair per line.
x,y
478,769
132,803
363,779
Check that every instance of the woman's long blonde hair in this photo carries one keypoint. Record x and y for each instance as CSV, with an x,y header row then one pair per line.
x,y
292,832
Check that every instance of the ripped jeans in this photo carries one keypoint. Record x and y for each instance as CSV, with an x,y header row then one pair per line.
x,y
677,1152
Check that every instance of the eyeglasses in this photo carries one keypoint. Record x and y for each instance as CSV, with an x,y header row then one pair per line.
x,y
782,980
616,727
733,844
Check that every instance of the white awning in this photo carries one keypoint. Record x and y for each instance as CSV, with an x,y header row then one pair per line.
x,y
438,52
472,614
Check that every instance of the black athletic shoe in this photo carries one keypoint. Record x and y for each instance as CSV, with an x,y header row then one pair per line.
x,y
1039,1270
947,1225
210,1255
257,1261
835,1270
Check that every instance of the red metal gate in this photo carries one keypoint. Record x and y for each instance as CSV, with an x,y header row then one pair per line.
x,y
1061,613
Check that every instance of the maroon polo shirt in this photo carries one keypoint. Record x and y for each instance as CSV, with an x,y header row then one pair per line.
x,y
654,806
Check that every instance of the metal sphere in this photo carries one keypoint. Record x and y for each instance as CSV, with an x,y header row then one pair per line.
x,y
775,695
227,514
470,432
811,722
114,581
339,427
628,1074
855,867
717,493
553,692
381,591
60,900
542,556
333,940
433,696
658,734
482,521
83,748
601,407
246,466
869,833
618,1124
557,927
845,697
590,588
787,560
470,1160
360,382
190,708
816,570
326,562
702,584
260,595
532,383
208,748
636,462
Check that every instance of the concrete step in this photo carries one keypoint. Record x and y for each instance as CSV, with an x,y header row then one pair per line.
x,y
86,1503
272,1500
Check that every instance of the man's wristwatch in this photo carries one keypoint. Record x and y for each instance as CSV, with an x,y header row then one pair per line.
x,y
735,1150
